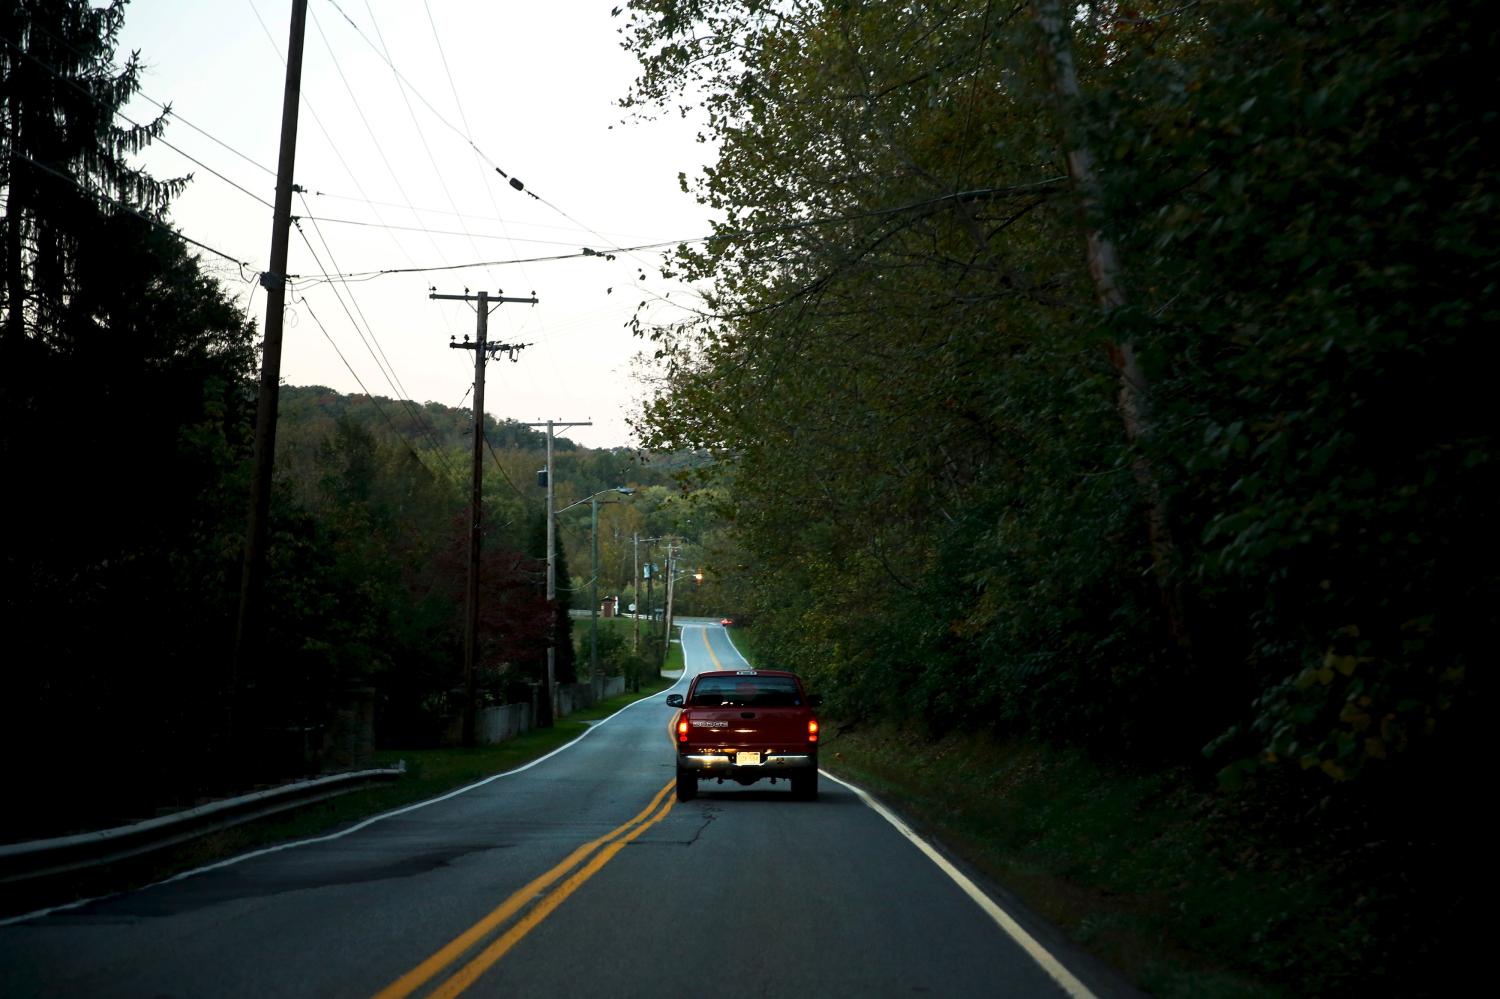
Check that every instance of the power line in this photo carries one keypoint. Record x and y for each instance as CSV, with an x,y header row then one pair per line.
x,y
386,369
446,211
439,232
412,113
611,252
462,133
188,156
99,102
374,138
133,211
458,103
368,394
166,109
503,473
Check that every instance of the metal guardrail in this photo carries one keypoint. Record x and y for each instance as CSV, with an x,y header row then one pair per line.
x,y
45,857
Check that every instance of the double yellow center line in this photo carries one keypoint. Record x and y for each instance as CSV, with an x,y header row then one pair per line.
x,y
536,894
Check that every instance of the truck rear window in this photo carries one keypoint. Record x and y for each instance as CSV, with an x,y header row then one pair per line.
x,y
746,691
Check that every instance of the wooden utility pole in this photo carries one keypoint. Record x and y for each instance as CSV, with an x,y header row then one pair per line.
x,y
551,693
482,349
635,594
666,623
248,627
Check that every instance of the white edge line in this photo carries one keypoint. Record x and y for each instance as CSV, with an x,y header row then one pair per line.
x,y
1043,957
276,848
736,648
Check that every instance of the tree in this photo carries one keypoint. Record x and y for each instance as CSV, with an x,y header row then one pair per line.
x,y
64,153
124,399
901,376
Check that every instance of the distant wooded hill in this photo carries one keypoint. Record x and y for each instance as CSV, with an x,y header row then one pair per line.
x,y
426,424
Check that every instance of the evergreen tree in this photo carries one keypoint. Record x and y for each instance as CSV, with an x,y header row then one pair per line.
x,y
113,337
63,154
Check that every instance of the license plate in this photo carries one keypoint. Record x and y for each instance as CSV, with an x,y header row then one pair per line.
x,y
747,759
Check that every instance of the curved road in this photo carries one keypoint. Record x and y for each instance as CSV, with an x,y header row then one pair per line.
x,y
576,876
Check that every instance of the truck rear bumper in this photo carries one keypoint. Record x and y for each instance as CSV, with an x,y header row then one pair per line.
x,y
722,764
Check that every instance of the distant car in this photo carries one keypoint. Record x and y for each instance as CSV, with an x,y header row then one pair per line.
x,y
746,725
726,622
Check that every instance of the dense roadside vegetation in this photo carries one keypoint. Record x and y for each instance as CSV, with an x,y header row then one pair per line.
x,y
127,400
1216,540
1221,513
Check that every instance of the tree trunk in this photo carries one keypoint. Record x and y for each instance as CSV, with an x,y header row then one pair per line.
x,y
1104,266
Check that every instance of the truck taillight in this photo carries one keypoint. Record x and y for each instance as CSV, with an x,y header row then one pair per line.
x,y
682,729
812,730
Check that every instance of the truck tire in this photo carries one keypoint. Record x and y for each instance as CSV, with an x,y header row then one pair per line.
x,y
687,785
805,785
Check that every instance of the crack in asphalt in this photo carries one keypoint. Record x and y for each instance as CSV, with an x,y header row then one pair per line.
x,y
709,813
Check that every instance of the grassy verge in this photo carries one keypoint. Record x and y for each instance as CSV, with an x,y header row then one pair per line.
x,y
1131,866
743,639
675,663
1123,864
430,772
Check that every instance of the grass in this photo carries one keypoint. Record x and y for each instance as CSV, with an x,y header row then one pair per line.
x,y
675,662
743,640
430,772
1132,866
625,628
1121,863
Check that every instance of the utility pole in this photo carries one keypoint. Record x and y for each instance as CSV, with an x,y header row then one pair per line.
x,y
247,637
551,698
595,680
482,349
650,607
635,594
666,618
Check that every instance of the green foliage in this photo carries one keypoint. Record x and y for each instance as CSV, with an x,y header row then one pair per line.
x,y
914,391
911,393
127,398
1319,407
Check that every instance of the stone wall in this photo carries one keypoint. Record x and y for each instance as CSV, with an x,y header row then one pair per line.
x,y
506,721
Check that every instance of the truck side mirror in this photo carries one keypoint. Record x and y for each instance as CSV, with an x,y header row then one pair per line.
x,y
815,700
674,700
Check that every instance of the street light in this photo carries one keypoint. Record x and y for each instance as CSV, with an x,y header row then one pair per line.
x,y
593,501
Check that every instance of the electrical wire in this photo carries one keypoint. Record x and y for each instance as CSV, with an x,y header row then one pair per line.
x,y
385,369
368,394
503,473
374,139
382,361
417,125
94,99
976,194
132,211
439,232
463,133
166,109
464,118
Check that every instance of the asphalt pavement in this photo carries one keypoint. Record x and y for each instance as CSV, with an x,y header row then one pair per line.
x,y
579,875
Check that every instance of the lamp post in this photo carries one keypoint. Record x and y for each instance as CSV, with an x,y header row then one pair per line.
x,y
593,501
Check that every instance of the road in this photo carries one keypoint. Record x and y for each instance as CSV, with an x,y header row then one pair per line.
x,y
577,876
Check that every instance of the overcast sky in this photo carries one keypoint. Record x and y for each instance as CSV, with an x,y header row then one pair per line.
x,y
531,86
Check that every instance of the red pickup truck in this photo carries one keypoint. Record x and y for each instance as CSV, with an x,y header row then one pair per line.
x,y
746,725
